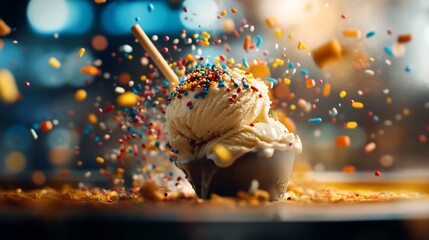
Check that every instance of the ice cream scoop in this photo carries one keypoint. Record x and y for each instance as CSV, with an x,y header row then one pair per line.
x,y
217,105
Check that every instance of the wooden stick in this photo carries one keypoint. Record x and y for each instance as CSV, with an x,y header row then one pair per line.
x,y
155,55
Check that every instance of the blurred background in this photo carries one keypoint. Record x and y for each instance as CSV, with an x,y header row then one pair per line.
x,y
390,79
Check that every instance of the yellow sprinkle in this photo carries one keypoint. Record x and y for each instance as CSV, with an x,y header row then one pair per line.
x,y
389,100
79,163
100,160
357,105
352,33
343,94
216,59
80,95
127,99
130,57
279,61
231,60
290,35
54,62
81,52
222,152
286,81
234,10
301,45
278,33
292,107
143,77
151,138
371,59
274,65
351,125
92,118
205,35
223,13
9,92
271,22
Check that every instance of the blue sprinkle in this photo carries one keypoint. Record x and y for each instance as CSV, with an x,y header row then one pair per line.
x,y
133,130
224,66
258,41
304,72
221,84
246,65
315,120
389,51
272,80
370,34
97,139
165,83
157,144
235,84
137,19
196,95
191,106
376,119
135,91
185,93
130,150
408,69
150,7
291,65
245,85
171,174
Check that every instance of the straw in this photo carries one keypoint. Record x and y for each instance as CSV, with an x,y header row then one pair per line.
x,y
156,56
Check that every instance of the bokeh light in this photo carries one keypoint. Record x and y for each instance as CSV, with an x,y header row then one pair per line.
x,y
119,17
15,162
201,15
16,137
60,16
48,16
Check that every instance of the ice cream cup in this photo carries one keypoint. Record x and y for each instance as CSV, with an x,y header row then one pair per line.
x,y
272,173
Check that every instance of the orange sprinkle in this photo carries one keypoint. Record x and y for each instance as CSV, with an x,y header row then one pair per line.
x,y
342,141
246,42
90,70
349,169
4,28
326,90
405,38
234,10
46,126
310,83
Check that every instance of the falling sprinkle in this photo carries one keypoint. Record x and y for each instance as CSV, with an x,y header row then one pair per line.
x,y
150,7
33,134
370,34
81,52
54,62
314,120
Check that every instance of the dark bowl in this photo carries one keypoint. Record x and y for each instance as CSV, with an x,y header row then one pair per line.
x,y
272,173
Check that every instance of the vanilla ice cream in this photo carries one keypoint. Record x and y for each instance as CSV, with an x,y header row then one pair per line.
x,y
216,105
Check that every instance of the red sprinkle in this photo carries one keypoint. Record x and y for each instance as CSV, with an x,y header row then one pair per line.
x,y
252,125
377,173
